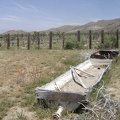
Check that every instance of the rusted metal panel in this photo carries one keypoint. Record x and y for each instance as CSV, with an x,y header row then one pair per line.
x,y
60,96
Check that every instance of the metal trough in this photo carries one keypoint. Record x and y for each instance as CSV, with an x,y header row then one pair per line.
x,y
72,87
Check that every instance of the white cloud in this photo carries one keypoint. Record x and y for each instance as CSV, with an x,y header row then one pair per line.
x,y
20,6
26,7
10,18
34,8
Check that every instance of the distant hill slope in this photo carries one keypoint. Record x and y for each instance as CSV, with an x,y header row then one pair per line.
x,y
15,32
65,28
107,25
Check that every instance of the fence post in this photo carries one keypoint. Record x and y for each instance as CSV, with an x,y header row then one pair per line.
x,y
28,47
8,41
102,36
90,40
78,36
50,40
38,40
117,39
17,40
63,36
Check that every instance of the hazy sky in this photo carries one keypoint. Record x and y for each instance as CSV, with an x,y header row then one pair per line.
x,y
36,15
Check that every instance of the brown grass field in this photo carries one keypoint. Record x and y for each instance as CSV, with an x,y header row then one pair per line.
x,y
22,71
18,72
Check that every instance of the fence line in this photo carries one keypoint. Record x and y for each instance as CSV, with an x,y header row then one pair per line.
x,y
63,35
78,35
8,41
38,41
90,39
28,47
102,36
117,39
53,39
18,42
50,39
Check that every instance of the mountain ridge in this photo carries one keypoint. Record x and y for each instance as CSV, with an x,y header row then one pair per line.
x,y
106,25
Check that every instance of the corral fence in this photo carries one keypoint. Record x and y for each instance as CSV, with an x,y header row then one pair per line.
x,y
58,40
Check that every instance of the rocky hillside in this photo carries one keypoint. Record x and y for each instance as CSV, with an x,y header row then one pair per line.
x,y
107,25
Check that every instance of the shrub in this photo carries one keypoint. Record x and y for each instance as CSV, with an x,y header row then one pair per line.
x,y
71,43
109,42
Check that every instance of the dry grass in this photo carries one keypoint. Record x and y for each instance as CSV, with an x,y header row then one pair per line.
x,y
19,71
114,80
22,71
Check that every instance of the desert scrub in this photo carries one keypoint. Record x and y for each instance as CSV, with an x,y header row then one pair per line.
x,y
72,43
109,42
103,107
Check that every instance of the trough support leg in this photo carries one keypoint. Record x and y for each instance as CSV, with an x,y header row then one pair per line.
x,y
57,114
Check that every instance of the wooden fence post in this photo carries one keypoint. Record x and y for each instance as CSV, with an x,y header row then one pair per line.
x,y
50,40
17,40
90,40
63,36
8,41
28,47
78,36
102,36
117,39
38,40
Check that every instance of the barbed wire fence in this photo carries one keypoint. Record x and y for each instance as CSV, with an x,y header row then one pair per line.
x,y
58,40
